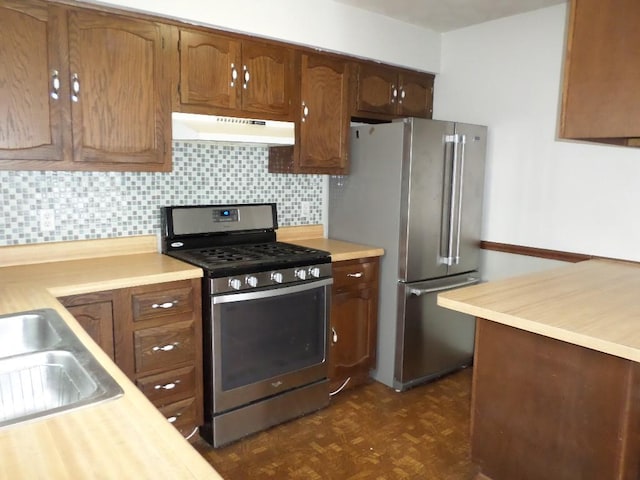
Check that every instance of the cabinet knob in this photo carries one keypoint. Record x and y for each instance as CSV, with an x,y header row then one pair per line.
x,y
402,94
164,305
305,111
75,87
55,84
167,386
247,77
234,75
334,335
394,93
166,348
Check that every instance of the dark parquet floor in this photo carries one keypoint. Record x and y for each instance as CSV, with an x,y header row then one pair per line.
x,y
369,432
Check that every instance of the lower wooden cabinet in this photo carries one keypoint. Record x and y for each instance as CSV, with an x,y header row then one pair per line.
x,y
94,311
154,334
354,322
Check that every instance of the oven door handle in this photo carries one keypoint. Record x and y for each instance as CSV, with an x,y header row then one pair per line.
x,y
274,292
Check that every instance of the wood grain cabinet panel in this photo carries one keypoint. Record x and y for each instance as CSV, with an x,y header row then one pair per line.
x,y
383,92
69,79
158,348
601,98
227,75
94,312
354,320
122,106
33,85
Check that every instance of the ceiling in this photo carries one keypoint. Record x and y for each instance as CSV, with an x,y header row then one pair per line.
x,y
445,15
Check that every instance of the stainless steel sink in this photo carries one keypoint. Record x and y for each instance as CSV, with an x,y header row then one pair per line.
x,y
28,332
45,369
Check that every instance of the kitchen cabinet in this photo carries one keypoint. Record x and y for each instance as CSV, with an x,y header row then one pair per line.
x,y
71,90
322,129
226,75
160,348
354,320
601,99
94,311
384,92
154,333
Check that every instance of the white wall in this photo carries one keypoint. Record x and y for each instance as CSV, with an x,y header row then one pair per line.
x,y
318,23
540,191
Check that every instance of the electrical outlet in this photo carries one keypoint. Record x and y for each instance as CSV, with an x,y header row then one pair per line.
x,y
305,207
47,220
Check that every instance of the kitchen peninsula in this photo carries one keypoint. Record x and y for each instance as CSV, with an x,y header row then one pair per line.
x,y
556,385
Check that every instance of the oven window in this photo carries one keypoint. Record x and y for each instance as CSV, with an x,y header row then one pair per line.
x,y
267,337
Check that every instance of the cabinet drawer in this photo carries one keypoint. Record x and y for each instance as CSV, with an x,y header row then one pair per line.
x,y
150,305
348,273
181,415
161,347
167,387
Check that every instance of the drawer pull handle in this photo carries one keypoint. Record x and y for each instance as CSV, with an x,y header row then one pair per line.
x,y
167,386
334,335
355,275
174,418
165,304
166,348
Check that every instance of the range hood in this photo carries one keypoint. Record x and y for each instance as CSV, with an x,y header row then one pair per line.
x,y
190,126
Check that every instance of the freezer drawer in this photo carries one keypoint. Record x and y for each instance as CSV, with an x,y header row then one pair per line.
x,y
431,340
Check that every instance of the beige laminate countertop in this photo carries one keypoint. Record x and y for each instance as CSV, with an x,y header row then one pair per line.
x,y
122,438
594,304
126,437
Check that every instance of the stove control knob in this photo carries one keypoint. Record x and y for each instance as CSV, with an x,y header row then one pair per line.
x,y
251,281
235,283
314,272
301,274
276,277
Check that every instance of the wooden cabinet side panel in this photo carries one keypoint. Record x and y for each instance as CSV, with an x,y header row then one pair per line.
x,y
601,98
547,409
324,133
33,110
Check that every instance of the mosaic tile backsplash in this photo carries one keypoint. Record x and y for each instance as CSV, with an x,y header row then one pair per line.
x,y
89,205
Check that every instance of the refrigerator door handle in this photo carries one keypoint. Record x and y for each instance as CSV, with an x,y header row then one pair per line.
x,y
452,256
423,291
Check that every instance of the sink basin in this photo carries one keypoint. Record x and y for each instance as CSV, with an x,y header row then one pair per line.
x,y
45,369
25,333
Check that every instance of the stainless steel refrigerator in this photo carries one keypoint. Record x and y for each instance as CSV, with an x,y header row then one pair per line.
x,y
416,189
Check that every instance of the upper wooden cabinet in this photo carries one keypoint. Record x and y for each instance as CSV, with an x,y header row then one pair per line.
x,y
71,98
601,98
322,127
224,75
382,92
33,85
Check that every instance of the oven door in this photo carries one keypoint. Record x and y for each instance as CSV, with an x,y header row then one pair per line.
x,y
267,342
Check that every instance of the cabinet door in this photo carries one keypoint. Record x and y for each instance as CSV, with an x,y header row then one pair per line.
x,y
209,72
354,321
121,107
267,78
324,124
94,311
415,97
351,332
375,86
33,84
601,98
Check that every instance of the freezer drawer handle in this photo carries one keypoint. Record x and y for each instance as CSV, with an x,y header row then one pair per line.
x,y
422,291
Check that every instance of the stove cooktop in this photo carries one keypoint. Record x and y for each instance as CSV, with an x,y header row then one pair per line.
x,y
233,259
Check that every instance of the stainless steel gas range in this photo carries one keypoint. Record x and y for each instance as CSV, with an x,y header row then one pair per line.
x,y
265,316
